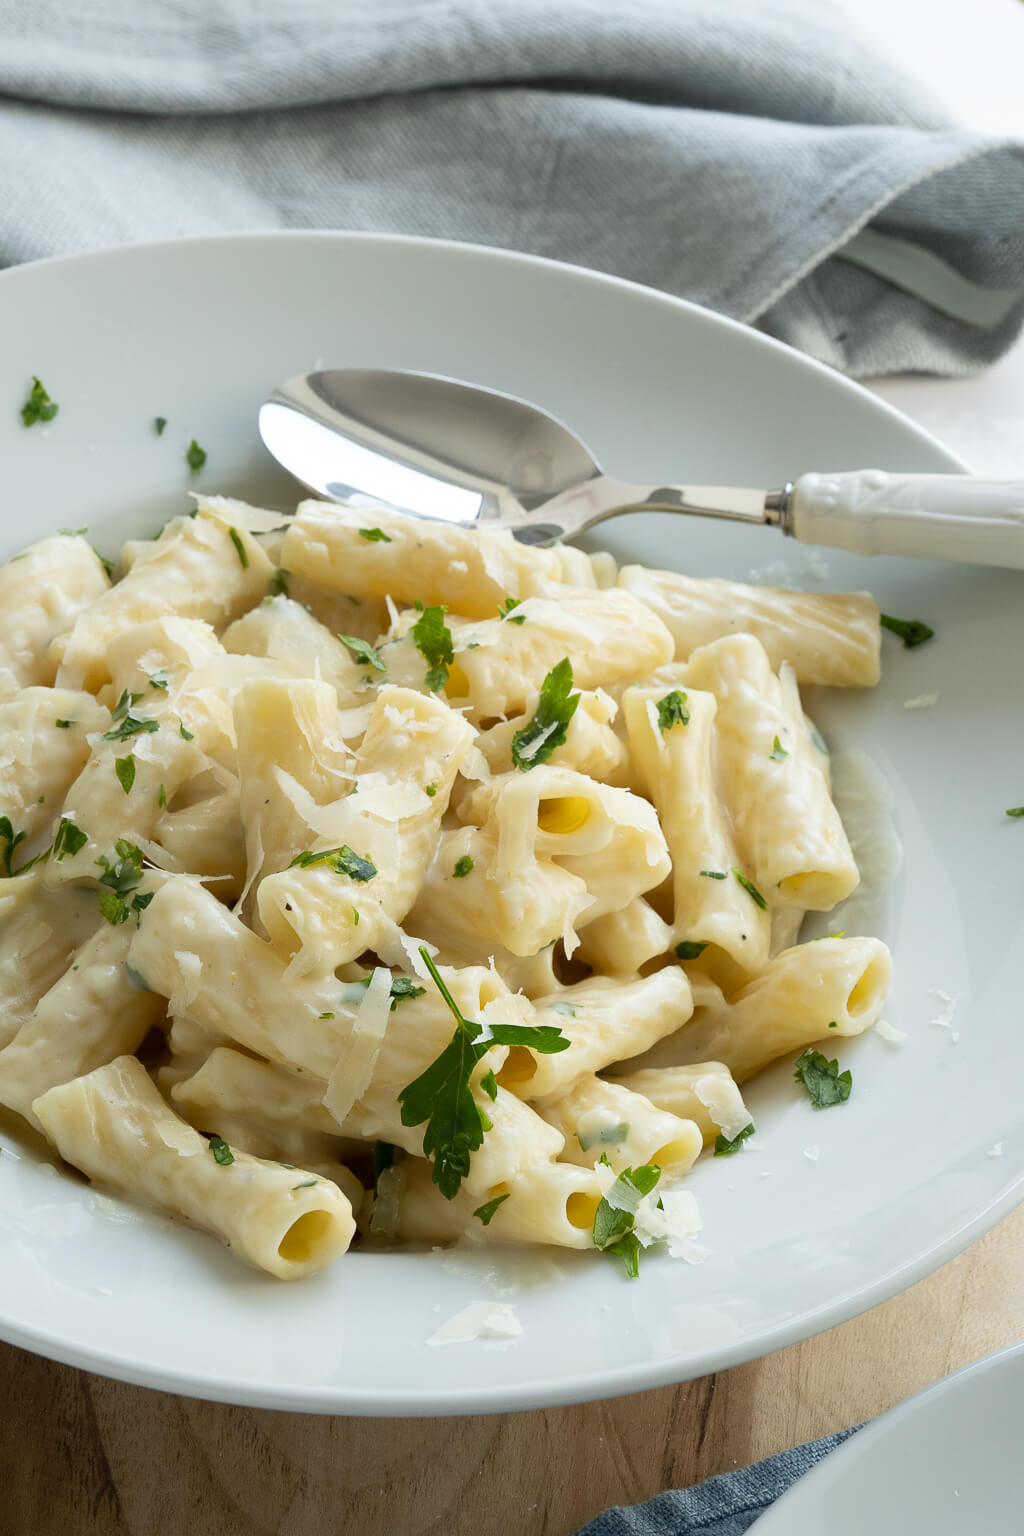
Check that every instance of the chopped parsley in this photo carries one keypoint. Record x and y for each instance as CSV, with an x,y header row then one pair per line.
x,y
430,790
673,709
69,839
240,549
375,535
403,987
364,650
441,1096
195,456
689,949
713,874
158,680
489,1084
383,1157
725,1148
607,1136
483,1213
342,860
159,423
911,631
505,612
1016,810
463,867
38,406
306,1184
124,767
822,1079
221,1152
63,725
11,840
185,735
130,726
120,878
325,1015
279,582
556,706
124,704
613,1221
751,889
433,640
108,565
778,753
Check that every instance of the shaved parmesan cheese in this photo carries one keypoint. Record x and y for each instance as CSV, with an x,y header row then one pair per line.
x,y
673,1218
238,514
995,1150
812,1154
944,1018
354,1070
922,701
724,1103
190,970
889,1033
480,1320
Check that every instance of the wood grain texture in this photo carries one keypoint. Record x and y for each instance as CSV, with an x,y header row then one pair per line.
x,y
83,1456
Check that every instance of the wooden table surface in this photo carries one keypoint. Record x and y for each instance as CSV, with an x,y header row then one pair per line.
x,y
83,1456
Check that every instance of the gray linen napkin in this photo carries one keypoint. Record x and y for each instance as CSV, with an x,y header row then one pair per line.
x,y
723,1506
755,156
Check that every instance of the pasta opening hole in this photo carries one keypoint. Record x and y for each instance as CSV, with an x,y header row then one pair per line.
x,y
457,686
682,1150
866,990
580,1210
520,1066
563,814
305,1237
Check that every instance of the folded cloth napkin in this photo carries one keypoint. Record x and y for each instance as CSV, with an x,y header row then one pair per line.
x,y
723,1506
755,156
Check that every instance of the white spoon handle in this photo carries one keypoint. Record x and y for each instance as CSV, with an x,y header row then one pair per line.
x,y
935,517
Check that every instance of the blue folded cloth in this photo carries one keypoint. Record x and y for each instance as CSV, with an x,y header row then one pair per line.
x,y
723,1506
756,157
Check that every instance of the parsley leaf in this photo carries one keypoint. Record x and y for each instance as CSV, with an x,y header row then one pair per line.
x,y
725,1148
751,889
462,867
505,612
158,680
614,1218
195,456
342,860
221,1152
442,1096
483,1213
911,631
63,725
713,874
38,406
185,735
240,549
364,650
375,535
403,987
778,753
69,839
822,1079
383,1157
489,1084
124,704
430,790
279,582
673,709
1016,810
433,640
159,423
124,767
12,839
130,726
556,706
689,949
120,877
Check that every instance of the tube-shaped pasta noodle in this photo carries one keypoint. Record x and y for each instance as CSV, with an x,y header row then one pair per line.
x,y
290,727
499,667
39,933
518,1140
591,746
705,1093
406,767
42,591
677,765
772,780
604,1021
158,657
467,904
231,1082
468,569
620,943
201,567
114,1126
547,1203
831,638
39,757
813,992
606,1119
94,1013
285,631
201,832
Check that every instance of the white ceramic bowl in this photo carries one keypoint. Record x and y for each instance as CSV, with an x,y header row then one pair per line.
x,y
906,1173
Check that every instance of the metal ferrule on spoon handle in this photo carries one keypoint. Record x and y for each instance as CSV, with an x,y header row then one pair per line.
x,y
933,517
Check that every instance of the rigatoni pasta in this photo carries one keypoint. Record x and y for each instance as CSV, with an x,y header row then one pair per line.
x,y
400,874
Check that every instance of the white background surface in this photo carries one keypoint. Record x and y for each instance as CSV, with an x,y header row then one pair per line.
x,y
971,54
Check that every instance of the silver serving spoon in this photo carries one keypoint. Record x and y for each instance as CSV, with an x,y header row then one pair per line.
x,y
437,448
